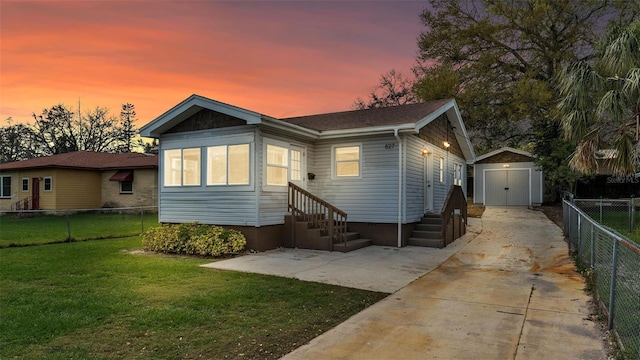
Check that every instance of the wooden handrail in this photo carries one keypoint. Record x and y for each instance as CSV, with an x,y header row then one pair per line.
x,y
455,201
22,204
318,213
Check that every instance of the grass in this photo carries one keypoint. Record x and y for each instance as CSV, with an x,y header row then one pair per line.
x,y
105,299
32,229
619,221
473,210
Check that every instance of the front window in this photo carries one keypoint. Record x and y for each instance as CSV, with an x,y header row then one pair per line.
x,y
457,174
182,167
228,165
277,165
347,161
5,186
25,184
126,187
48,186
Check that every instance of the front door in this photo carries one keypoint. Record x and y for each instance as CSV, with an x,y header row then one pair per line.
x,y
35,194
428,183
297,166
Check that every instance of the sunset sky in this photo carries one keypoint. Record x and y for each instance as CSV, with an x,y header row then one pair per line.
x,y
279,58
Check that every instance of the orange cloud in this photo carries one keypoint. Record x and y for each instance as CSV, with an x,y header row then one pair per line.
x,y
277,58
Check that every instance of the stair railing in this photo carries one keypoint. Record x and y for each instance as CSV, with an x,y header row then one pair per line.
x,y
22,204
454,215
318,213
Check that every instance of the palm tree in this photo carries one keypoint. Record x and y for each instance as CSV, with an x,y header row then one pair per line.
x,y
600,103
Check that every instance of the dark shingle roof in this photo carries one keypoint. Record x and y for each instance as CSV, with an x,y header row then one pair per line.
x,y
392,115
87,160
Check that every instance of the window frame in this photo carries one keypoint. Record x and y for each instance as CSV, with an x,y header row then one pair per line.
x,y
227,163
284,165
126,191
182,169
2,194
23,183
457,174
334,161
441,170
44,183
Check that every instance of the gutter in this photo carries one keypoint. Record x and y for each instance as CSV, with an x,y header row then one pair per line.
x,y
395,133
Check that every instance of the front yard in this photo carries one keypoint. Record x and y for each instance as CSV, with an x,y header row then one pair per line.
x,y
107,299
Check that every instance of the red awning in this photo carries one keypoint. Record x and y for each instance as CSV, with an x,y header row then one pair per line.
x,y
122,175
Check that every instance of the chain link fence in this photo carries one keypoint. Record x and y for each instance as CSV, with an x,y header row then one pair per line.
x,y
615,264
619,214
34,227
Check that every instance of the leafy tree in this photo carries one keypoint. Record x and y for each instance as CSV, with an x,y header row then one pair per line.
x,y
393,89
15,142
600,104
505,56
55,131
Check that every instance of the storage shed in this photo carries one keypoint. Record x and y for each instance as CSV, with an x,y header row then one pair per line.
x,y
507,177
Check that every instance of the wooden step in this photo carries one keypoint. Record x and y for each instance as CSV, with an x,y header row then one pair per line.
x,y
433,243
352,245
426,234
428,227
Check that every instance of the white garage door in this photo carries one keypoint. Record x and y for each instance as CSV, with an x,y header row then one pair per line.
x,y
506,187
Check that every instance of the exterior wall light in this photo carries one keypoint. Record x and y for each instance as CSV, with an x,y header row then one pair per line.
x,y
446,144
425,151
506,166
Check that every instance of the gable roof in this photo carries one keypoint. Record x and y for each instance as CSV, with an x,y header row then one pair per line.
x,y
504,149
402,118
87,160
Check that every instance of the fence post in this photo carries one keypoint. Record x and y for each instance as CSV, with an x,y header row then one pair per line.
x,y
141,220
612,289
593,245
600,209
68,226
632,213
579,233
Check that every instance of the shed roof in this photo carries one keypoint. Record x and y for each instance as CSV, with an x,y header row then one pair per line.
x,y
87,160
504,149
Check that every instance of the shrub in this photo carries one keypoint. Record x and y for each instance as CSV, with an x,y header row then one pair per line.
x,y
194,239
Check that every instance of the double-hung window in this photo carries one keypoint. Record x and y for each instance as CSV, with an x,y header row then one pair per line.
x,y
182,167
25,184
457,174
347,161
48,185
228,164
5,186
277,165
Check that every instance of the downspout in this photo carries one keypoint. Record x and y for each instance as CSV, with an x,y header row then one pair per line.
x,y
395,133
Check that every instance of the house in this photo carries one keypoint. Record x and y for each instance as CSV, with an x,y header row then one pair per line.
x,y
79,180
381,169
507,177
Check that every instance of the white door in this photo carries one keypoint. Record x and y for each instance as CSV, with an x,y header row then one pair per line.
x,y
507,188
297,166
428,183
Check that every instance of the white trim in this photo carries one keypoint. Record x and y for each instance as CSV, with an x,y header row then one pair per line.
x,y
125,192
505,149
22,184
44,183
335,176
6,196
484,183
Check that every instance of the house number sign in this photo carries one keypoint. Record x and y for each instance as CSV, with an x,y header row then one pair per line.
x,y
389,146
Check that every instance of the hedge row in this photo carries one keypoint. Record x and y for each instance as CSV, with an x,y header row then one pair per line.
x,y
195,239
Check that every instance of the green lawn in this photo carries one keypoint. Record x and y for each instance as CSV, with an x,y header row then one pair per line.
x,y
619,221
104,299
32,229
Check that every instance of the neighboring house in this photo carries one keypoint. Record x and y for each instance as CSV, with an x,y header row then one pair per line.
x,y
384,168
507,177
79,180
605,183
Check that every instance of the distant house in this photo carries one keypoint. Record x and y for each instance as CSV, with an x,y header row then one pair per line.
x,y
379,169
79,180
507,177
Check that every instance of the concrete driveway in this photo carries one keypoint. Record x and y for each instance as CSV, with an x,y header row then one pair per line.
x,y
510,293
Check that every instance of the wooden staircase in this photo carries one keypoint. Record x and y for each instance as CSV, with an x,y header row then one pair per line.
x,y
316,224
428,233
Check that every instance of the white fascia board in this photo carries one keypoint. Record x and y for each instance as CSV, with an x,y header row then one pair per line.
x,y
503,149
375,130
296,129
190,106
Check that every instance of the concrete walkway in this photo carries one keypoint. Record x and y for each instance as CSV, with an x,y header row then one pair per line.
x,y
510,293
